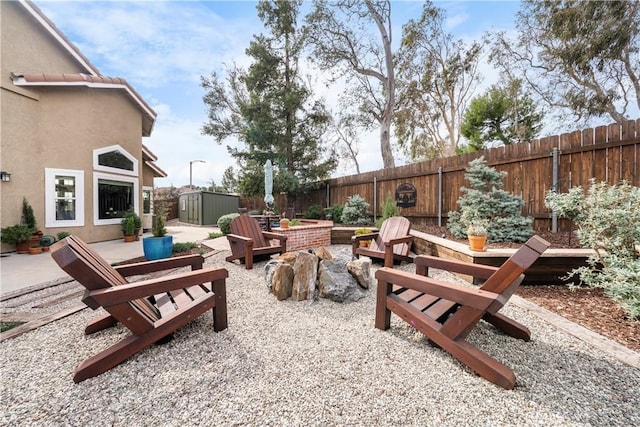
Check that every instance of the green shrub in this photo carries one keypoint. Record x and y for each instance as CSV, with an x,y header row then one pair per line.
x,y
314,212
61,235
356,211
184,246
28,217
334,213
225,220
608,220
486,202
18,233
388,209
215,235
159,228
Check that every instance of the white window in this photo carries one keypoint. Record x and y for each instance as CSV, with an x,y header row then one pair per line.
x,y
113,195
147,200
115,159
64,198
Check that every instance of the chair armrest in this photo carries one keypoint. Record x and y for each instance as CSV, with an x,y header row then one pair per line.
x,y
399,240
195,261
235,237
423,262
369,236
471,297
271,235
145,288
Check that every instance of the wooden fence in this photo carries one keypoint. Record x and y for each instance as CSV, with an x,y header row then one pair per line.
x,y
606,153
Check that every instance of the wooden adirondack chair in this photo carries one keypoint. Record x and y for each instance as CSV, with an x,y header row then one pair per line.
x,y
392,242
248,240
151,309
446,313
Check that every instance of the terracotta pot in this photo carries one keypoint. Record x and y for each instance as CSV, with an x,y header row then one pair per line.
x,y
35,250
478,243
129,239
45,249
23,247
284,223
364,243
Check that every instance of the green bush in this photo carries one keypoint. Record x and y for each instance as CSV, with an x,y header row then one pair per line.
x,y
27,215
334,213
487,203
356,211
225,220
314,212
608,220
184,246
215,235
388,209
18,233
61,235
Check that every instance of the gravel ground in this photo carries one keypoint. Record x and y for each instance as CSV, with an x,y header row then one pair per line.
x,y
310,363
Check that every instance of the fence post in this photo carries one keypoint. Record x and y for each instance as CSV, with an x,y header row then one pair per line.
x,y
440,196
554,188
375,199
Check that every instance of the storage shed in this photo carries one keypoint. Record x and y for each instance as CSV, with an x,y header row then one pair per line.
x,y
205,207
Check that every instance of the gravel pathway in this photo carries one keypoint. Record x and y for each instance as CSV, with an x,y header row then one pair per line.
x,y
310,363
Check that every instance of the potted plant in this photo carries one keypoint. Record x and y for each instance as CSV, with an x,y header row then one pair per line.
x,y
159,246
360,232
129,229
29,219
284,223
18,235
46,242
136,221
35,249
477,235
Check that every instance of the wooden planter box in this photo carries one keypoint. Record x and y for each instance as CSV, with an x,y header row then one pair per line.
x,y
547,270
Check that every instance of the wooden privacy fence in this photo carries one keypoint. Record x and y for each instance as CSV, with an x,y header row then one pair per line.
x,y
607,153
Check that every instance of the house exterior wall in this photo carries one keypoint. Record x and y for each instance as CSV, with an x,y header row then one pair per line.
x,y
57,127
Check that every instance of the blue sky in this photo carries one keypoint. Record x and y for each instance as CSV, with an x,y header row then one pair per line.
x,y
163,47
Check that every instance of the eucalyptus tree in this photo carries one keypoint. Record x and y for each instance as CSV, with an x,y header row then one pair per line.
x,y
436,78
352,39
270,108
580,57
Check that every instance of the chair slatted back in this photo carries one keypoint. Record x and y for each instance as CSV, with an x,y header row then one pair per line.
x,y
393,228
92,271
523,258
246,226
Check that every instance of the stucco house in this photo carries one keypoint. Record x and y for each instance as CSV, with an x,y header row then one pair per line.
x,y
71,138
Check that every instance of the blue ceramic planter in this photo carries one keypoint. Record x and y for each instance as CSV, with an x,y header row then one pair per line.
x,y
157,247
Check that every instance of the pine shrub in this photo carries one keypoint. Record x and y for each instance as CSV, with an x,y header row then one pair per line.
x,y
356,211
388,209
486,202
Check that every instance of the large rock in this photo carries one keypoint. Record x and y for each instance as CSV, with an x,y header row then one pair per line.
x,y
305,274
323,253
269,268
282,281
344,255
336,283
288,257
360,269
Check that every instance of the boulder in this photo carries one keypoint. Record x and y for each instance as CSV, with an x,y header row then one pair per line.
x,y
360,269
268,271
305,274
282,281
336,283
323,253
288,257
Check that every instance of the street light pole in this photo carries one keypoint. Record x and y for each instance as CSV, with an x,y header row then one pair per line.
x,y
191,172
